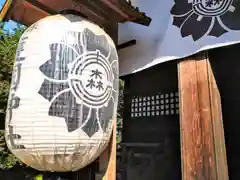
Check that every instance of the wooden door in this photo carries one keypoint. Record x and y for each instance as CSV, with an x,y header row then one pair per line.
x,y
151,131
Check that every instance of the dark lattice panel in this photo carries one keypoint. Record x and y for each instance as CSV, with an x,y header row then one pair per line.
x,y
155,105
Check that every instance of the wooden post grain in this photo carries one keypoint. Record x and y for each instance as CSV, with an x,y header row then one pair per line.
x,y
110,173
202,135
107,160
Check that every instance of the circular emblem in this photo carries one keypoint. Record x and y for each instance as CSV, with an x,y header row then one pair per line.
x,y
211,7
91,79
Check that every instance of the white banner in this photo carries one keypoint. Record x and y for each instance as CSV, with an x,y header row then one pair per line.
x,y
179,28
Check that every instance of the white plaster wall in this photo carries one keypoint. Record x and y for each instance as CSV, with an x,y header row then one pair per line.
x,y
148,37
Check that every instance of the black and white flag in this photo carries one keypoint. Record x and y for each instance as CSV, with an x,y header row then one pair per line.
x,y
179,28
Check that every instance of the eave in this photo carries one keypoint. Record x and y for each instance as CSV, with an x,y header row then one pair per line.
x,y
99,11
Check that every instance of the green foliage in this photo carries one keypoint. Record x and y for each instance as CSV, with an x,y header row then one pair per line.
x,y
38,177
7,159
8,46
120,114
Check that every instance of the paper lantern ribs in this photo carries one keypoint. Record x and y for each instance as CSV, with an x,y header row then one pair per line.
x,y
64,94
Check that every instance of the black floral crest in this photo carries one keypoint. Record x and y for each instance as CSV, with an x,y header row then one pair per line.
x,y
200,18
81,81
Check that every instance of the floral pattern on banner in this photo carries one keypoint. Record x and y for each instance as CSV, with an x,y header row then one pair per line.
x,y
200,18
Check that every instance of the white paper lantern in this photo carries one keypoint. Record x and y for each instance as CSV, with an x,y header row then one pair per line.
x,y
64,94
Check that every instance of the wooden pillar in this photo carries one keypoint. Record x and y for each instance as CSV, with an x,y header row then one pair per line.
x,y
110,173
202,135
107,160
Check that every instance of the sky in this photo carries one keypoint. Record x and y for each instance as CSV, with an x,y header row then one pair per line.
x,y
11,24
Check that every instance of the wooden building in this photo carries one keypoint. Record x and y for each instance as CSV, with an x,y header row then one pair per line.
x,y
28,12
180,117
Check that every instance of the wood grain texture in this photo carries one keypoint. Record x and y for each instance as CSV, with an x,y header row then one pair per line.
x,y
25,13
218,130
110,173
202,135
5,9
107,161
96,11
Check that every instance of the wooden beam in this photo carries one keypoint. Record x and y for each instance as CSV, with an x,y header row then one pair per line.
x,y
202,135
5,9
133,12
96,11
126,44
74,5
25,13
